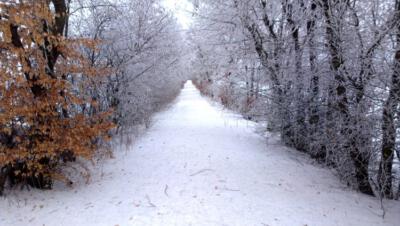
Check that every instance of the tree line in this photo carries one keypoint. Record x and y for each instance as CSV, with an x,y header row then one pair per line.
x,y
74,75
322,73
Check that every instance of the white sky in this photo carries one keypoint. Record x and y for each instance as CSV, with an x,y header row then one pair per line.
x,y
181,9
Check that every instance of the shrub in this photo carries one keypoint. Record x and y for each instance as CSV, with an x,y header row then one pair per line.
x,y
41,121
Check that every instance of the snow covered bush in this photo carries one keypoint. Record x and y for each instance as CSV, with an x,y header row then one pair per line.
x,y
142,45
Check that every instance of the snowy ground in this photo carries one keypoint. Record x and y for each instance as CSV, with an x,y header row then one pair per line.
x,y
201,165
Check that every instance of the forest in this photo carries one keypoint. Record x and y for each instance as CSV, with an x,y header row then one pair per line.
x,y
80,77
322,73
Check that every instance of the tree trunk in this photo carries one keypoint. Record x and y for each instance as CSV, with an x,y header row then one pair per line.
x,y
397,196
3,177
339,102
314,118
297,94
388,122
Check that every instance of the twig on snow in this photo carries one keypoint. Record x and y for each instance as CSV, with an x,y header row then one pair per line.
x,y
149,202
165,190
202,171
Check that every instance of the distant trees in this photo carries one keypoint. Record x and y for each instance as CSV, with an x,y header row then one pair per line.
x,y
322,69
142,45
41,122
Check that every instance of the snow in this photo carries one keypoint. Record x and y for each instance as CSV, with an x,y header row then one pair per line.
x,y
201,165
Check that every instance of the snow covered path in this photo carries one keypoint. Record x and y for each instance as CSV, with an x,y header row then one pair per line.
x,y
201,165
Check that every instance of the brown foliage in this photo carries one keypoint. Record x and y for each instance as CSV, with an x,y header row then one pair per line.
x,y
41,123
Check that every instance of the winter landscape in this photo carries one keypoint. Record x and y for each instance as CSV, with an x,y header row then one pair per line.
x,y
200,112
